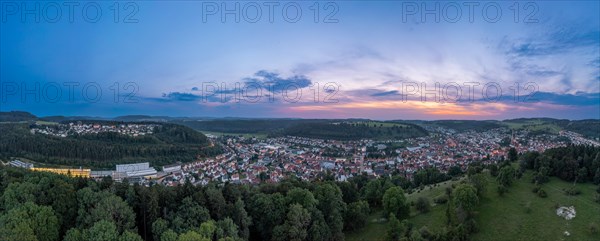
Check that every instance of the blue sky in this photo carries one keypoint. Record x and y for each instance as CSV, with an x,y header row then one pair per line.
x,y
179,59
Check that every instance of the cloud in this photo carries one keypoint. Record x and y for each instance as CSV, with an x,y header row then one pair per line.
x,y
552,43
386,93
180,96
273,82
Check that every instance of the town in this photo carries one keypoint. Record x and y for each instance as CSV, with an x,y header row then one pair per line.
x,y
79,128
251,160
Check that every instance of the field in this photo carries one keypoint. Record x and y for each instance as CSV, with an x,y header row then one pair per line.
x,y
518,215
508,218
434,220
535,125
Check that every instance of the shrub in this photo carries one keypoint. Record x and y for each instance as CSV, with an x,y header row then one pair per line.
x,y
541,193
423,205
441,199
572,191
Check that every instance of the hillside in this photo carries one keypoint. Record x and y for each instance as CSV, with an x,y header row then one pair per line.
x,y
168,144
356,130
517,215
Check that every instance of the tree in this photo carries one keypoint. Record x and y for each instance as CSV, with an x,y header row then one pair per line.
x,y
395,229
168,235
295,226
582,175
159,227
191,236
113,208
465,200
331,204
29,219
74,234
226,229
102,230
512,154
506,176
597,176
394,202
267,211
208,229
130,236
493,170
241,219
189,215
216,202
423,205
318,231
479,182
301,196
455,171
357,215
18,193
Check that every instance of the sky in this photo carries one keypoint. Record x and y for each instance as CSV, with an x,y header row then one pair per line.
x,y
303,59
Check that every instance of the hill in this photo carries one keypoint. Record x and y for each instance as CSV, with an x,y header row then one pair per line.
x,y
14,116
168,144
356,130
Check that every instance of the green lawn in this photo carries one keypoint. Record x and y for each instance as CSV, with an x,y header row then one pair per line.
x,y
506,217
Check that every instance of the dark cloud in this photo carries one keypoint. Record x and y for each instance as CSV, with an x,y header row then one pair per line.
x,y
386,93
180,96
273,82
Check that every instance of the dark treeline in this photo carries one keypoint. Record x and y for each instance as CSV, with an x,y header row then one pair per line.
x,y
571,163
355,131
81,209
170,143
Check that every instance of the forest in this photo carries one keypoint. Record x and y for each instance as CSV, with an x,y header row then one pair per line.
x,y
355,131
168,144
45,206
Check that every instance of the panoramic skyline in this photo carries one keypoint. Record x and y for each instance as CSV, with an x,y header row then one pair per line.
x,y
367,59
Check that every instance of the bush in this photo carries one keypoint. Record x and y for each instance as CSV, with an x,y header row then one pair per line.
x,y
423,205
541,193
572,191
535,189
441,199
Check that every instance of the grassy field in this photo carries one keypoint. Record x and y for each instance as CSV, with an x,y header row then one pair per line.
x,y
434,220
518,215
533,125
508,218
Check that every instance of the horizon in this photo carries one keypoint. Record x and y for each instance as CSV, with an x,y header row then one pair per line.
x,y
256,118
374,60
